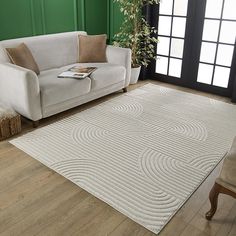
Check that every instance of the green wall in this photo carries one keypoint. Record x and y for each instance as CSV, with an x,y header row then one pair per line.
x,y
20,18
115,19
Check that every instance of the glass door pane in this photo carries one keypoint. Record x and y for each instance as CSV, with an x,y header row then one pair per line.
x,y
218,43
213,8
171,36
229,10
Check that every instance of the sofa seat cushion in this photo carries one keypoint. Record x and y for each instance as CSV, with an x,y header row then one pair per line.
x,y
106,75
56,90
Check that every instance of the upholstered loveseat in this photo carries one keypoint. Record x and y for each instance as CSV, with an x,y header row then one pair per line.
x,y
36,97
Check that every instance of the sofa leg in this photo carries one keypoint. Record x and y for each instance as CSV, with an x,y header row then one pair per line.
x,y
35,124
125,90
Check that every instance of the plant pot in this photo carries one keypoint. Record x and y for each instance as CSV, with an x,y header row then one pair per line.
x,y
135,72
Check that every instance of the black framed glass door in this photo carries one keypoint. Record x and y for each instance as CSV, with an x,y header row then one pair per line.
x,y
171,35
197,44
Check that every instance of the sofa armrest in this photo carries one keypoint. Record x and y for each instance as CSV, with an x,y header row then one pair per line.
x,y
19,87
120,56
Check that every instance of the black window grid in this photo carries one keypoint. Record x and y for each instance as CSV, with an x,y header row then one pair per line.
x,y
172,37
217,42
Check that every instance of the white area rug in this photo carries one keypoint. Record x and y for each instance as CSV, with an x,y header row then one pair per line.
x,y
144,152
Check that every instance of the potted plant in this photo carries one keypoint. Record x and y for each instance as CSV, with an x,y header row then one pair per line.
x,y
136,34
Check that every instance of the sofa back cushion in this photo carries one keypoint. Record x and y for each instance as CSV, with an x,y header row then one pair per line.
x,y
49,51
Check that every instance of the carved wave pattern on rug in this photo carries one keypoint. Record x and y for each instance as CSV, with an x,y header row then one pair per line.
x,y
161,169
144,152
185,126
128,190
133,109
87,133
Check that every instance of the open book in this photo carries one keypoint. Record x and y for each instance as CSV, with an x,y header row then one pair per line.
x,y
77,72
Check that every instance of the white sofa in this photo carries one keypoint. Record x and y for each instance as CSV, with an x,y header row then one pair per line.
x,y
36,97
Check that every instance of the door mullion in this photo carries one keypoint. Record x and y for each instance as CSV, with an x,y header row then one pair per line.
x,y
217,42
171,30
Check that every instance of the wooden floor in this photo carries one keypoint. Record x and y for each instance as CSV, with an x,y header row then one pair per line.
x,y
34,200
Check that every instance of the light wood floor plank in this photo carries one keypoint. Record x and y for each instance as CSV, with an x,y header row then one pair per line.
x,y
227,224
17,191
81,215
18,215
128,228
192,231
104,222
54,223
233,228
56,211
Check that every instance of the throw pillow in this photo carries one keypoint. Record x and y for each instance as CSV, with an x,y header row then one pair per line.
x,y
3,55
22,56
92,48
